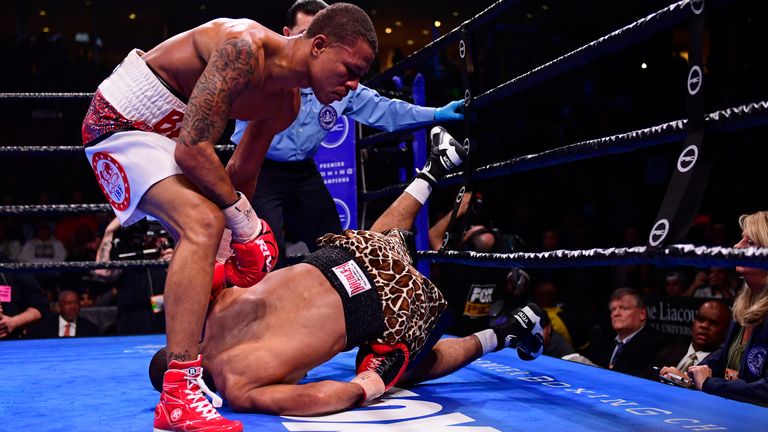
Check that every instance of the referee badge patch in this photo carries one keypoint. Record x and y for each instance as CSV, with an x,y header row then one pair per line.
x,y
327,117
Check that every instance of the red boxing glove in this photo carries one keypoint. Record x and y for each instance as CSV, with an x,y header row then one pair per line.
x,y
253,259
219,281
381,369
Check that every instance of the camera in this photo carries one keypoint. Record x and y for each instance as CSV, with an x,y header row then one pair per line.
x,y
141,241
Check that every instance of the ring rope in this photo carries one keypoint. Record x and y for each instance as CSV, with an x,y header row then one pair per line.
x,y
615,41
11,150
721,121
665,18
14,267
88,95
53,209
674,255
46,95
619,39
429,50
730,119
734,118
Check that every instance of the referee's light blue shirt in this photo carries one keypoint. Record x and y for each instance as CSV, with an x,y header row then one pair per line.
x,y
302,138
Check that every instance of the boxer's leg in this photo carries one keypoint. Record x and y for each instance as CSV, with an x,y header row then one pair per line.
x,y
400,214
447,356
521,331
198,224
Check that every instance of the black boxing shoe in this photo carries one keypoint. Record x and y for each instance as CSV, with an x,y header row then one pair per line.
x,y
521,329
446,155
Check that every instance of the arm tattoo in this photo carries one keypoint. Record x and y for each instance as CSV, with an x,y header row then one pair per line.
x,y
103,254
229,71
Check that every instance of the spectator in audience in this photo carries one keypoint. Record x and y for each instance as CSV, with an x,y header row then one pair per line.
x,y
20,305
67,322
43,247
717,282
555,344
707,333
139,291
469,290
10,248
737,369
550,240
545,295
86,299
676,284
636,344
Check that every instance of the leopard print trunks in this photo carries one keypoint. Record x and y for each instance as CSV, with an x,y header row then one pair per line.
x,y
411,303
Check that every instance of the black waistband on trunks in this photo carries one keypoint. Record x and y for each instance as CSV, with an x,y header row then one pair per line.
x,y
363,316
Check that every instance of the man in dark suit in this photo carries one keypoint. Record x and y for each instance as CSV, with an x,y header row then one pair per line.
x,y
708,332
67,323
636,344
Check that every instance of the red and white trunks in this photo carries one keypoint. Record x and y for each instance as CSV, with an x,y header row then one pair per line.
x,y
129,133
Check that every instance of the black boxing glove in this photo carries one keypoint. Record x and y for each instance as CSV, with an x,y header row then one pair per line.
x,y
521,330
446,155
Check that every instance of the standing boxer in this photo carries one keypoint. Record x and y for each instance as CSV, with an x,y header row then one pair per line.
x,y
149,135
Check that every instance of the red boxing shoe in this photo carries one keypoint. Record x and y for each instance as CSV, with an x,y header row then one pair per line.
x,y
184,408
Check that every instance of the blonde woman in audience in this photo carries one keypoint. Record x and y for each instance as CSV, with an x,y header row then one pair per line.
x,y
737,370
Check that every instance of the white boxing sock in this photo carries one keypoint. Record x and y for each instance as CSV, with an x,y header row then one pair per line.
x,y
419,189
487,340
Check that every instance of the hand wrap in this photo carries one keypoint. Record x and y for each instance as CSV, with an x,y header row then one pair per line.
x,y
381,369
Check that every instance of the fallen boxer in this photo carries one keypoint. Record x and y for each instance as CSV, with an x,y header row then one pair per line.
x,y
359,289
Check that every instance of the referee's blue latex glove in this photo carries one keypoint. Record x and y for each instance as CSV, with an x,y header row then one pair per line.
x,y
453,111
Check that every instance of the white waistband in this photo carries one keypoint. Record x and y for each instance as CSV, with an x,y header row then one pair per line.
x,y
137,93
